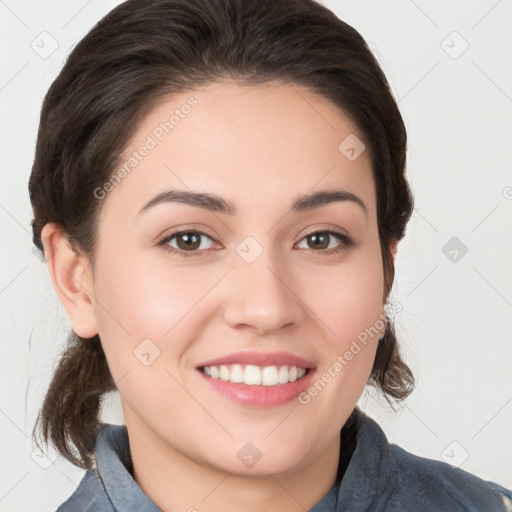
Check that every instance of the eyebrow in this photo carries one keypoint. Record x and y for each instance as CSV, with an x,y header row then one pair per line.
x,y
215,203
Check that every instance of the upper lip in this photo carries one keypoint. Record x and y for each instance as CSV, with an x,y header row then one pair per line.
x,y
260,359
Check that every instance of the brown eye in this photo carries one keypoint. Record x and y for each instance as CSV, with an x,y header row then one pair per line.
x,y
319,240
324,242
188,241
191,242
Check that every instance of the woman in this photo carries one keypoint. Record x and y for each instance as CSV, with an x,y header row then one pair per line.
x,y
219,190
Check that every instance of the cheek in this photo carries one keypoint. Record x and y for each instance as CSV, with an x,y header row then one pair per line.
x,y
140,300
350,305
349,299
147,319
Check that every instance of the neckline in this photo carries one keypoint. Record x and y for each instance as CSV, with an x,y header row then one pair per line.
x,y
363,452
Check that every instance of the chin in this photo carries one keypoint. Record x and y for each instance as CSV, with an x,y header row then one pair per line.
x,y
254,455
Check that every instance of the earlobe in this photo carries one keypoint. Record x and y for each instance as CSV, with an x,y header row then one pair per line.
x,y
72,280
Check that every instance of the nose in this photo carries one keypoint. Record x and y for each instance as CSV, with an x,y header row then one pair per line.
x,y
263,295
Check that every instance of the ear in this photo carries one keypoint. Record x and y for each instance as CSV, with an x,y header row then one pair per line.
x,y
72,280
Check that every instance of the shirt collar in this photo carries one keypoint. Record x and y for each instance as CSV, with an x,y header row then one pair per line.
x,y
367,480
113,463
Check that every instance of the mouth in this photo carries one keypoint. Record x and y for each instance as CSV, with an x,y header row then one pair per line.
x,y
258,379
252,375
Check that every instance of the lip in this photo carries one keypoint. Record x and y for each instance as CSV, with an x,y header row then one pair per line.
x,y
260,359
260,396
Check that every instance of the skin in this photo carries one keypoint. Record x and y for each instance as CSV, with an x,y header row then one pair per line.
x,y
259,147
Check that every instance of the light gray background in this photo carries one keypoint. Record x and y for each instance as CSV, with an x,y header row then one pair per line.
x,y
455,321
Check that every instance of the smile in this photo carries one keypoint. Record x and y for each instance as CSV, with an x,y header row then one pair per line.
x,y
252,375
258,379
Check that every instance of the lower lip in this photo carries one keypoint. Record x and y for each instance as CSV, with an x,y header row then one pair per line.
x,y
260,396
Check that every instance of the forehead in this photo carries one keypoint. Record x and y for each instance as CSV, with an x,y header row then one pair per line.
x,y
256,145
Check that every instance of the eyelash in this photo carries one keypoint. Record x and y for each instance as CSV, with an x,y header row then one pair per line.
x,y
346,243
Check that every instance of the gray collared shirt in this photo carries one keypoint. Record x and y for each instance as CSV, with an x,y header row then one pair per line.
x,y
380,477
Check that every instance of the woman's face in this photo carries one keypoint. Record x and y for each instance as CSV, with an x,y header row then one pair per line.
x,y
257,290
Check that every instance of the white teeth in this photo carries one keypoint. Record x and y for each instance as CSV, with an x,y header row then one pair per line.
x,y
237,373
269,376
254,375
224,373
283,375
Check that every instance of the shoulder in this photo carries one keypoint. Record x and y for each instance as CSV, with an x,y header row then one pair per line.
x,y
419,480
383,477
89,496
109,485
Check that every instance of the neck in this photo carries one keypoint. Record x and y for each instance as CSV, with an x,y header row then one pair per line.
x,y
174,481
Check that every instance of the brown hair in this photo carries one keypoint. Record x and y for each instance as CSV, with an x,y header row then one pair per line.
x,y
144,50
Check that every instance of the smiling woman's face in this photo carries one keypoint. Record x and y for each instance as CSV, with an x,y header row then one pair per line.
x,y
244,281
